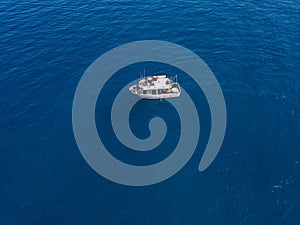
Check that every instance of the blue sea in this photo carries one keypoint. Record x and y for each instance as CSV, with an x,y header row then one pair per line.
x,y
253,49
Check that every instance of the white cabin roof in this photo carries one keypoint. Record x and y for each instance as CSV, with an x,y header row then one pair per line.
x,y
155,82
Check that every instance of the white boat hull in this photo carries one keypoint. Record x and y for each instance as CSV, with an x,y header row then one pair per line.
x,y
156,96
161,96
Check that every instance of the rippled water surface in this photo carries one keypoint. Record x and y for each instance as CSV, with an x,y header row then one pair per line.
x,y
251,46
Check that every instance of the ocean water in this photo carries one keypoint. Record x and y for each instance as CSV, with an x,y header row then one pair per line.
x,y
251,46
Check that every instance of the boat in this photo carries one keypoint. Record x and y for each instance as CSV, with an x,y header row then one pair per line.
x,y
156,87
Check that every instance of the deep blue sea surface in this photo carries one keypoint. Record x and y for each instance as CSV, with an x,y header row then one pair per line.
x,y
252,47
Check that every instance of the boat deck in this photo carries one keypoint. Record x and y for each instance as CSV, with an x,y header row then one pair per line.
x,y
156,87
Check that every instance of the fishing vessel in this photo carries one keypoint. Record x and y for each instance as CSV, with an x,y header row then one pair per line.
x,y
157,87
